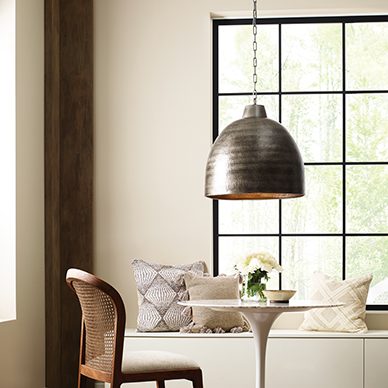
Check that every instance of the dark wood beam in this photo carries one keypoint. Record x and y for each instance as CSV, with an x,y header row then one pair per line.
x,y
68,177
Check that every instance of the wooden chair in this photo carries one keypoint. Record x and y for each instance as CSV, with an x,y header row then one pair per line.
x,y
102,341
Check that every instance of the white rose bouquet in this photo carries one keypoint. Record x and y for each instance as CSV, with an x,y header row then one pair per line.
x,y
254,270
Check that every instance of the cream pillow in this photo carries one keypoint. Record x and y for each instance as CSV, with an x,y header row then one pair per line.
x,y
221,287
347,318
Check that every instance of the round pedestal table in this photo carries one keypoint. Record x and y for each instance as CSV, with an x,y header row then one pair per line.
x,y
260,316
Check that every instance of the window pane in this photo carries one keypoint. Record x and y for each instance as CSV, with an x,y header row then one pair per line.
x,y
236,55
315,122
311,57
367,56
366,255
311,61
302,256
231,108
256,217
366,199
235,249
367,129
8,172
320,210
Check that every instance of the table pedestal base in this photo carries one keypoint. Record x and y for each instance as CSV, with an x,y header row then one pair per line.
x,y
261,324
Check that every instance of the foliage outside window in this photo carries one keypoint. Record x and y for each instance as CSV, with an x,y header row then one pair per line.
x,y
325,80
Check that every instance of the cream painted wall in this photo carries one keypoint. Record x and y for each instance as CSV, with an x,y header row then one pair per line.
x,y
153,127
22,340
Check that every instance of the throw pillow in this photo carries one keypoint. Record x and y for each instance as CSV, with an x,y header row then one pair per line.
x,y
159,288
221,287
347,318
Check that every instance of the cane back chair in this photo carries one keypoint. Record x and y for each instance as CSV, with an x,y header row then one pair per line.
x,y
102,357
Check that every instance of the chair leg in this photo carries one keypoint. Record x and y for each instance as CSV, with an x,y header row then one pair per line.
x,y
160,384
81,381
197,380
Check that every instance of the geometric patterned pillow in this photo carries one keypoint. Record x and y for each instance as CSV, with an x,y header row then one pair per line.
x,y
159,288
347,318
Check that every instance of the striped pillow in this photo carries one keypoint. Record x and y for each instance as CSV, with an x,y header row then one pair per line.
x,y
347,318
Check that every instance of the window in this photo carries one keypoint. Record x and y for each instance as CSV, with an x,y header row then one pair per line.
x,y
325,79
7,162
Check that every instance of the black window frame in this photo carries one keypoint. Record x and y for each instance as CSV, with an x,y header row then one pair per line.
x,y
343,20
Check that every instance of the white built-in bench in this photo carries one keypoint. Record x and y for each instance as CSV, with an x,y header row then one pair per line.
x,y
295,359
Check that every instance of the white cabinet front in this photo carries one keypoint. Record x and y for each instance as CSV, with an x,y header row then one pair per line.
x,y
376,363
318,363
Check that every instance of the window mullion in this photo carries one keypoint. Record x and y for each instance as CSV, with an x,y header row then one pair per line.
x,y
280,120
344,151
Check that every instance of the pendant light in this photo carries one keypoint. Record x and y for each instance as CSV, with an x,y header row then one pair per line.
x,y
254,157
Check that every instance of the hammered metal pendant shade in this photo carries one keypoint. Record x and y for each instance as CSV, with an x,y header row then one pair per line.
x,y
254,158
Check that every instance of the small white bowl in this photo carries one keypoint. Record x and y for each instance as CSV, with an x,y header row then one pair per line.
x,y
280,296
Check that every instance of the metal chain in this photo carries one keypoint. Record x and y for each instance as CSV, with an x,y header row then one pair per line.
x,y
254,26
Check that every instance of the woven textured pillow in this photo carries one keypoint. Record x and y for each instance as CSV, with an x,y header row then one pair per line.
x,y
221,287
159,288
348,318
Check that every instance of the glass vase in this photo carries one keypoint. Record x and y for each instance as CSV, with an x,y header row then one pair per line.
x,y
253,287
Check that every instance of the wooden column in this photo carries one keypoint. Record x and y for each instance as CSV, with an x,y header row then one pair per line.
x,y
68,177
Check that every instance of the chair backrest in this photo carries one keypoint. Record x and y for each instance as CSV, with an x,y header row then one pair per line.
x,y
103,316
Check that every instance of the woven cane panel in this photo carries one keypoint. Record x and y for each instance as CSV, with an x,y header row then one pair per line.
x,y
99,315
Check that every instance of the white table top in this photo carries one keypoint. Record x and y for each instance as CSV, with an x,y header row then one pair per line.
x,y
248,306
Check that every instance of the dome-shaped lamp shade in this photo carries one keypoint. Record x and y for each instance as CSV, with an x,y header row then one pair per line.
x,y
254,158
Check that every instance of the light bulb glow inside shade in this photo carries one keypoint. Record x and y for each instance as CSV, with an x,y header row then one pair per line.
x,y
254,158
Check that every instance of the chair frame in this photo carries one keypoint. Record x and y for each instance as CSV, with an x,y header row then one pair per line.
x,y
117,377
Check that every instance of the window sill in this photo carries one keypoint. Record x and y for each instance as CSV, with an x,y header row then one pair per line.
x,y
3,320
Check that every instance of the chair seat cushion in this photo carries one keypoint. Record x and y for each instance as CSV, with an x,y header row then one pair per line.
x,y
155,361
